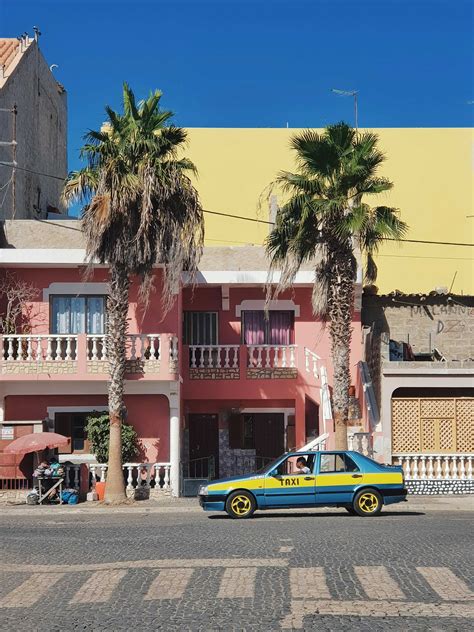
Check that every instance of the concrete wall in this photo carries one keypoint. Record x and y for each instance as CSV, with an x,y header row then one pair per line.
x,y
41,125
432,174
442,322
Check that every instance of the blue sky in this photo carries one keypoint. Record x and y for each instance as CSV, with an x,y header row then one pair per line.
x,y
259,63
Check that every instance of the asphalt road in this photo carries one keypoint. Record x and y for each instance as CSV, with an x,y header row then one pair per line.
x,y
196,571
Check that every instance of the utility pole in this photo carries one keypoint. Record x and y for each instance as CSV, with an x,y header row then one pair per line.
x,y
350,93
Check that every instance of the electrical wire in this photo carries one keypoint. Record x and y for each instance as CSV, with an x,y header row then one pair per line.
x,y
262,221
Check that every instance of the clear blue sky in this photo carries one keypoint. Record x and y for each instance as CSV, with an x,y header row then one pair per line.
x,y
259,63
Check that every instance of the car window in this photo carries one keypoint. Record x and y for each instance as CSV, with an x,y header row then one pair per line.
x,y
288,466
333,463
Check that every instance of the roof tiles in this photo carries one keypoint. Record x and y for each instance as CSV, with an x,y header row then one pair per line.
x,y
8,50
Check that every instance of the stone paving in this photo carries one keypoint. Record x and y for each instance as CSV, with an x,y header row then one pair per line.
x,y
194,571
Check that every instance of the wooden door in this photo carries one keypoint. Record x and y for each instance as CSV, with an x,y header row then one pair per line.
x,y
269,434
203,437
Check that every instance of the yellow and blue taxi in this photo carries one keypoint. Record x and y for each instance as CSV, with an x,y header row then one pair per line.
x,y
309,479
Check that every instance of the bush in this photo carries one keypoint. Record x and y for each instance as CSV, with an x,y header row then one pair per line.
x,y
98,432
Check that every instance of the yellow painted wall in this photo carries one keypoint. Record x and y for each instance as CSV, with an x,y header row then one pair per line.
x,y
432,171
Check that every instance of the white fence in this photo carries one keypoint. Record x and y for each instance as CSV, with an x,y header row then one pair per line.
x,y
37,348
436,466
272,356
138,347
138,474
214,356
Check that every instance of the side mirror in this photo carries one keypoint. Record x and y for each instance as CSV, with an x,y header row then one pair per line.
x,y
273,473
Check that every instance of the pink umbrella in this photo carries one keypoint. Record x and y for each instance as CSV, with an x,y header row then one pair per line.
x,y
35,442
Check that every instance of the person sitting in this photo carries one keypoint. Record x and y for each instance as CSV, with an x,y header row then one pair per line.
x,y
302,466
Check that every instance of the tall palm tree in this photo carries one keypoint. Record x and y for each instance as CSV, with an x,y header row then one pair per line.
x,y
323,219
140,209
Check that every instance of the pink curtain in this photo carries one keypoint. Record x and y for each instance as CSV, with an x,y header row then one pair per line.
x,y
254,328
281,328
277,330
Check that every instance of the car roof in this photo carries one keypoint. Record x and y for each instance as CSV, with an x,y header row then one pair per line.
x,y
319,452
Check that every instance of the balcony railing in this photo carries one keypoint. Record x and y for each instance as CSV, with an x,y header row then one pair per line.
x,y
138,347
214,356
23,354
39,348
271,356
436,466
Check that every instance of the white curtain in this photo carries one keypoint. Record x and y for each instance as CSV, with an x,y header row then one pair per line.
x,y
61,315
78,315
95,315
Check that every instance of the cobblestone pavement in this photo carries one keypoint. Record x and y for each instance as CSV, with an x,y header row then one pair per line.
x,y
196,571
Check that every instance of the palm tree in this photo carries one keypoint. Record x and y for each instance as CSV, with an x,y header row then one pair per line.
x,y
324,220
140,209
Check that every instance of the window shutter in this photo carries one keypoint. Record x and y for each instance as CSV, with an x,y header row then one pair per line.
x,y
236,431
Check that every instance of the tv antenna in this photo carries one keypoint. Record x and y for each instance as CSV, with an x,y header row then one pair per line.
x,y
349,93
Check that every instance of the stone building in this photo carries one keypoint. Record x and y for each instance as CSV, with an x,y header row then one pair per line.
x,y
419,353
35,137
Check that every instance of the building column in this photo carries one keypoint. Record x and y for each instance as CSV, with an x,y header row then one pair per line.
x,y
175,439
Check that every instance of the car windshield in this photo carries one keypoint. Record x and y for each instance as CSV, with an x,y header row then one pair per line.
x,y
269,466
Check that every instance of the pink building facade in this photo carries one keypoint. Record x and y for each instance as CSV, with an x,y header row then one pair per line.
x,y
213,385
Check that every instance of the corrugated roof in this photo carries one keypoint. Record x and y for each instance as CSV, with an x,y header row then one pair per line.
x,y
8,50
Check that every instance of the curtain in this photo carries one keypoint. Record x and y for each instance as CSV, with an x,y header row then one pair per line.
x,y
280,328
60,321
78,315
254,328
95,315
277,330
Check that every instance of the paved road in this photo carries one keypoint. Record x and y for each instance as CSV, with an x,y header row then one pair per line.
x,y
195,571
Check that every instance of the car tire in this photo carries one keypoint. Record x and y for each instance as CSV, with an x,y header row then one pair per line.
x,y
351,510
367,502
240,505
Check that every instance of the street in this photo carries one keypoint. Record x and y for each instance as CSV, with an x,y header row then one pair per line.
x,y
135,569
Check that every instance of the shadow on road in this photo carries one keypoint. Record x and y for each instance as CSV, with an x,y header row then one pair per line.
x,y
266,515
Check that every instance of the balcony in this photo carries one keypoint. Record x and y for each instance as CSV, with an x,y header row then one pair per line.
x,y
148,356
227,362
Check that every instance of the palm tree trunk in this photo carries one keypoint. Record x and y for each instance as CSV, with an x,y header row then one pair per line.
x,y
340,304
117,331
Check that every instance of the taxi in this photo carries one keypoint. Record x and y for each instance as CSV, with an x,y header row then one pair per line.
x,y
309,479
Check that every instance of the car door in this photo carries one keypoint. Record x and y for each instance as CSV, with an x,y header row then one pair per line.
x,y
337,477
285,486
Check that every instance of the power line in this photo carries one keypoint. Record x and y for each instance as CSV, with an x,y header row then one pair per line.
x,y
260,221
38,173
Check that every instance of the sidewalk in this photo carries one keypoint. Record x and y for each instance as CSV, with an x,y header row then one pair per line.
x,y
169,505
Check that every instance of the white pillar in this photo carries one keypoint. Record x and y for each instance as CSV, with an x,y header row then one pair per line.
x,y
174,450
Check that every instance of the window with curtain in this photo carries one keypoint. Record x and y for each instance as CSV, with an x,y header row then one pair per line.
x,y
277,329
78,314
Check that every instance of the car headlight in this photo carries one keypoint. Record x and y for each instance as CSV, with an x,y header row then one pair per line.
x,y
202,490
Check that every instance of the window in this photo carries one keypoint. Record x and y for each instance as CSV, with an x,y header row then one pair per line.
x,y
78,314
332,463
200,328
276,329
72,425
288,466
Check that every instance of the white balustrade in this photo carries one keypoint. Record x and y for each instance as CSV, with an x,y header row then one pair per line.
x,y
174,348
436,466
141,347
271,356
38,348
134,474
316,444
214,356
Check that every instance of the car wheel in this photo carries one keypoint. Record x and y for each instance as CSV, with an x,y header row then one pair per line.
x,y
240,505
367,502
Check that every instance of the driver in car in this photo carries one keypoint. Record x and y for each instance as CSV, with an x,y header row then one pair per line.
x,y
301,466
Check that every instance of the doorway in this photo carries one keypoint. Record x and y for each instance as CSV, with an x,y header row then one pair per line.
x,y
203,443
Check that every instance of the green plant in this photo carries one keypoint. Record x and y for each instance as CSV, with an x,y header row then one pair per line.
x,y
98,433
